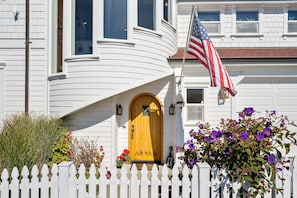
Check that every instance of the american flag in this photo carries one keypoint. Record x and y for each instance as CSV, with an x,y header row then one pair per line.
x,y
203,49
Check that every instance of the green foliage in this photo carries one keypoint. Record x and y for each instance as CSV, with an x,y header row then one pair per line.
x,y
251,148
27,140
61,149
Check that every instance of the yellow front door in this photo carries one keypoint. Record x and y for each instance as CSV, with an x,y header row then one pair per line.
x,y
145,131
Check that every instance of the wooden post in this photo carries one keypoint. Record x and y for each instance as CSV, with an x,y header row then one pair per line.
x,y
204,179
64,172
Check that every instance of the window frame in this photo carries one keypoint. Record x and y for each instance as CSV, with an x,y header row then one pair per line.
x,y
247,22
260,22
188,105
125,37
211,22
293,22
154,11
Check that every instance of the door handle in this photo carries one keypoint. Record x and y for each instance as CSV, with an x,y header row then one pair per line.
x,y
132,131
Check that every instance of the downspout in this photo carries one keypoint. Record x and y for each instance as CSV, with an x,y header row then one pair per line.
x,y
27,42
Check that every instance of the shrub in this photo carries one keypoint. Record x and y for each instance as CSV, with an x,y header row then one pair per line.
x,y
61,149
27,140
87,152
250,148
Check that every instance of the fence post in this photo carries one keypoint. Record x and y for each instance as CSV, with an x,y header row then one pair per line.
x,y
64,172
204,179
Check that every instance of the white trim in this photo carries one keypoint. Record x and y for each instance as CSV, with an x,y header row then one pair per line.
x,y
2,106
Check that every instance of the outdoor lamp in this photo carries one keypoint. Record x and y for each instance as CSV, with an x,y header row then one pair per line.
x,y
119,109
171,109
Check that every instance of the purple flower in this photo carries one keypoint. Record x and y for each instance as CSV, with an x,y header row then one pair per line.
x,y
227,151
244,135
201,126
191,132
248,111
266,132
192,163
191,146
209,139
273,112
260,136
216,134
271,159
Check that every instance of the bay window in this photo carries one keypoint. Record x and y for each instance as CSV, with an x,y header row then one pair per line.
x,y
115,19
146,14
83,27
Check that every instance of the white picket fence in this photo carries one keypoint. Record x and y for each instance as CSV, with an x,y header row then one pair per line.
x,y
65,181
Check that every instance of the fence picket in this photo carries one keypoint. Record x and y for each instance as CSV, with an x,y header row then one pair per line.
x,y
294,177
71,188
82,181
154,182
124,182
165,183
134,189
92,182
24,185
44,181
113,182
4,186
175,182
102,182
54,181
14,186
186,182
34,182
144,182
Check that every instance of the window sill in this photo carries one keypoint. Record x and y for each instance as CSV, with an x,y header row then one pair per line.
x,y
57,76
149,32
117,42
216,35
247,35
78,58
293,34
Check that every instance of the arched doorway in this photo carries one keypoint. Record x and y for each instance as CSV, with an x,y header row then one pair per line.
x,y
145,130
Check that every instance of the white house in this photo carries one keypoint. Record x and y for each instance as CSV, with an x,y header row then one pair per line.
x,y
83,60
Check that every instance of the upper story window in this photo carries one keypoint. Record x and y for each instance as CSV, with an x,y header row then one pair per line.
x,y
292,21
195,105
146,14
247,22
57,37
115,19
83,26
211,21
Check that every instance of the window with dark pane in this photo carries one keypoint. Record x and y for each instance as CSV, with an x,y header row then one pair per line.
x,y
83,26
115,19
292,21
194,95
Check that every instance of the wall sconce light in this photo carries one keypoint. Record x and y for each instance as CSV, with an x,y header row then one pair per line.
x,y
119,109
171,109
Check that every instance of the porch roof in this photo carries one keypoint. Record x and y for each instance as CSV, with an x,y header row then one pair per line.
x,y
245,53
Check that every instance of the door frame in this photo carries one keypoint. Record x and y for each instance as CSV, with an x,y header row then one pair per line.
x,y
161,122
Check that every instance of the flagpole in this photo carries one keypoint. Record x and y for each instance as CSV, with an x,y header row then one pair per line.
x,y
187,43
